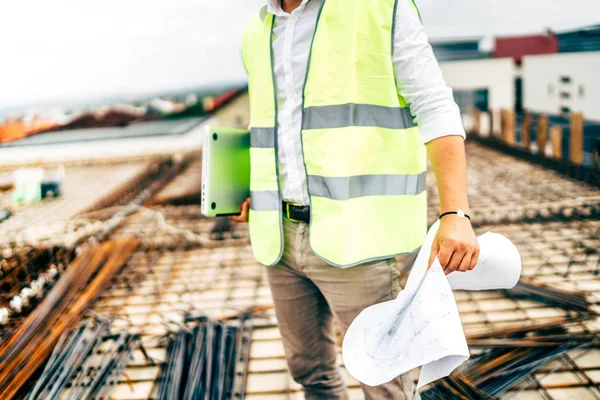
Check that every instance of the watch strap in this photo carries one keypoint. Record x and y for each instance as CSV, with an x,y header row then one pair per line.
x,y
460,213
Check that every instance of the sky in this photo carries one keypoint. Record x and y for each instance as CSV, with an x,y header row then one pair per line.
x,y
58,50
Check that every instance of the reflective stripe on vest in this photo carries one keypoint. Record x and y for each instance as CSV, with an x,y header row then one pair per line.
x,y
264,201
342,115
262,137
363,154
351,187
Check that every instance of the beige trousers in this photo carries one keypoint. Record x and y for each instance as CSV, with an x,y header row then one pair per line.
x,y
308,293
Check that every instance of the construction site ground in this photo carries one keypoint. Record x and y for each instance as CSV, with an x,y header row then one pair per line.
x,y
541,211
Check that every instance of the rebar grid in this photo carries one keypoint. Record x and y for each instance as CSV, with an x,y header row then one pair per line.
x,y
38,261
564,254
502,189
171,276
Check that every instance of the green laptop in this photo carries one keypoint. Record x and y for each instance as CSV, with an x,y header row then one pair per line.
x,y
225,171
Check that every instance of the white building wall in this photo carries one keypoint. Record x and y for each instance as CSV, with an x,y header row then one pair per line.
x,y
497,75
556,82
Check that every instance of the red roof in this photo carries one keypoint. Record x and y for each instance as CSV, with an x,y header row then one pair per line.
x,y
518,46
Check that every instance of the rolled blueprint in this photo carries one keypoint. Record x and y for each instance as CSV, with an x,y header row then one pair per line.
x,y
498,266
422,327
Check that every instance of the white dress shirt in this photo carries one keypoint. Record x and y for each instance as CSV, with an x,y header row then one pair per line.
x,y
418,77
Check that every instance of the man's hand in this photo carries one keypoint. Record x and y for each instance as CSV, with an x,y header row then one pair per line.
x,y
243,217
455,245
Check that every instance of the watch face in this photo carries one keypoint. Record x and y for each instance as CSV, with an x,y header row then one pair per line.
x,y
461,213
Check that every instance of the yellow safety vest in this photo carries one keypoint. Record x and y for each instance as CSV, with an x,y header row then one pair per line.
x,y
363,154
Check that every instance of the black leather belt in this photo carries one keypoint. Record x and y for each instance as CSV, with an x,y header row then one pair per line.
x,y
296,212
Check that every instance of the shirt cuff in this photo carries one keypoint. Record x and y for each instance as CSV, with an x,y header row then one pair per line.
x,y
445,124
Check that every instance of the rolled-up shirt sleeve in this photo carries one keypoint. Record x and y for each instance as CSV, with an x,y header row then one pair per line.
x,y
419,78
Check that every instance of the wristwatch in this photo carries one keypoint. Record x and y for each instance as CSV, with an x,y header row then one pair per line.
x,y
460,213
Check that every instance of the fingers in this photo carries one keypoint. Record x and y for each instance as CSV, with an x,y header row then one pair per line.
x,y
459,257
243,217
455,255
246,207
458,249
434,252
465,264
474,258
445,254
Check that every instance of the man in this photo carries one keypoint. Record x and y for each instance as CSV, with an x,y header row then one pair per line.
x,y
338,169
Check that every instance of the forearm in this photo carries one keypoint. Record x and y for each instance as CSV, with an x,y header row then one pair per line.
x,y
449,163
421,84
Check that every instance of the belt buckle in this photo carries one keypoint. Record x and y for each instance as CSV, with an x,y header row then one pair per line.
x,y
287,211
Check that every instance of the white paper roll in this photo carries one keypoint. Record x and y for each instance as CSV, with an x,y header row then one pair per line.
x,y
498,266
422,327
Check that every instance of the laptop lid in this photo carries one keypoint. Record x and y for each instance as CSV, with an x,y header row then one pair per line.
x,y
225,171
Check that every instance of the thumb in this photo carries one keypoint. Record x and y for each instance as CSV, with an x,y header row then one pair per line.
x,y
435,248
